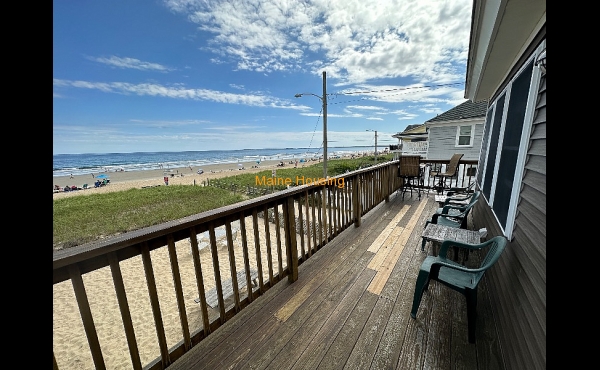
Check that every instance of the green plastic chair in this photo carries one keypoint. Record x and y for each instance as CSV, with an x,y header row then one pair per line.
x,y
452,216
466,191
456,276
451,208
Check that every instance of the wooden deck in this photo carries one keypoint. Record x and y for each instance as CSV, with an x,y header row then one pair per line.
x,y
350,309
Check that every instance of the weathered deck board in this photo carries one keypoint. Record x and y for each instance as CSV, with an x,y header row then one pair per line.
x,y
328,319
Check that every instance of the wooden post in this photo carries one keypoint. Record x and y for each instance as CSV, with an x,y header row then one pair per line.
x,y
290,239
356,200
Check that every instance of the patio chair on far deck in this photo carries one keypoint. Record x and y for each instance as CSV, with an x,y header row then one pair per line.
x,y
410,171
458,277
451,171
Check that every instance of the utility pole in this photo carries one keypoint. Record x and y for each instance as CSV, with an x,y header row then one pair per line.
x,y
324,100
324,125
375,144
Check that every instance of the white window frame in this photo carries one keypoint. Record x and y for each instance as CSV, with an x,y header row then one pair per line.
x,y
471,138
521,157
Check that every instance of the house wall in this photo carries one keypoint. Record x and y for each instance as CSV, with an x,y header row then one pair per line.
x,y
442,143
518,280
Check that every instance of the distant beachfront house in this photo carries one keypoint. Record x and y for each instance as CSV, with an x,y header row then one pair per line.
x,y
506,67
411,141
458,130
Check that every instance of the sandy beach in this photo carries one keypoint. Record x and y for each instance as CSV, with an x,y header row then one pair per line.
x,y
181,176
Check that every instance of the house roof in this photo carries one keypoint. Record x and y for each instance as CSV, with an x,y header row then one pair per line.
x,y
412,130
465,110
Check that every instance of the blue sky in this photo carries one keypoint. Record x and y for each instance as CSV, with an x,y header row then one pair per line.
x,y
177,75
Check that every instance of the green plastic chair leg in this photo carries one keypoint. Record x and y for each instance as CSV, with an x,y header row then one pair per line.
x,y
420,287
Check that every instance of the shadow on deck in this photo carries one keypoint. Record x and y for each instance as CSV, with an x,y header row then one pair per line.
x,y
350,308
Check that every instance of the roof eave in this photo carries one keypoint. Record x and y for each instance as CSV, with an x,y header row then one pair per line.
x,y
501,30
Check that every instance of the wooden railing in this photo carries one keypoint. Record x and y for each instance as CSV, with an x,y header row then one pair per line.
x,y
164,270
467,170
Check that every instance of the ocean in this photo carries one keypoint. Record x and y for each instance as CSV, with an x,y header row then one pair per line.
x,y
82,164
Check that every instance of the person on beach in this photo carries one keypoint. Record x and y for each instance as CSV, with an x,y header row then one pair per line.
x,y
71,176
166,178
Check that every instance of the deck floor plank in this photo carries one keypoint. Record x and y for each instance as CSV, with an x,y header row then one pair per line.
x,y
328,318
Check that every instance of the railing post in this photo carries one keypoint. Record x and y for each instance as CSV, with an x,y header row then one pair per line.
x,y
356,200
386,183
290,239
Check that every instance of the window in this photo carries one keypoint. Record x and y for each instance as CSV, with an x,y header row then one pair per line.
x,y
505,141
464,135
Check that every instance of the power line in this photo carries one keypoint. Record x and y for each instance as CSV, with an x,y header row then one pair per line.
x,y
315,130
400,93
397,89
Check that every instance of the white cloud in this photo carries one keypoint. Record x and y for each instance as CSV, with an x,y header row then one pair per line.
x,y
356,41
180,92
130,63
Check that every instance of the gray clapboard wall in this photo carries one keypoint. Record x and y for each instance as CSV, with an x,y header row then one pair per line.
x,y
518,281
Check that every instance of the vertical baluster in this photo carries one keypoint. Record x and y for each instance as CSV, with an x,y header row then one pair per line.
x,y
232,268
324,205
376,192
314,219
308,222
117,277
245,254
268,239
334,210
329,212
86,316
290,239
356,194
151,282
365,193
199,280
217,270
301,231
179,293
344,204
319,194
261,284
278,237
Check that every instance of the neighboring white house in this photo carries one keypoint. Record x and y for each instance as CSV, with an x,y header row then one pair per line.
x,y
458,130
411,141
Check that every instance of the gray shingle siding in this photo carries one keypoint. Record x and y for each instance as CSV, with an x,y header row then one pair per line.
x,y
442,143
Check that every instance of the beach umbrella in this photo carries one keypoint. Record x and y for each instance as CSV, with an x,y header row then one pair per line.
x,y
102,176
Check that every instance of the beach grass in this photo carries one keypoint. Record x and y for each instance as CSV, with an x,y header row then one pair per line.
x,y
79,220
297,175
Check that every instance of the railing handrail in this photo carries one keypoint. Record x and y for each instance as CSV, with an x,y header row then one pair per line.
x,y
97,248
